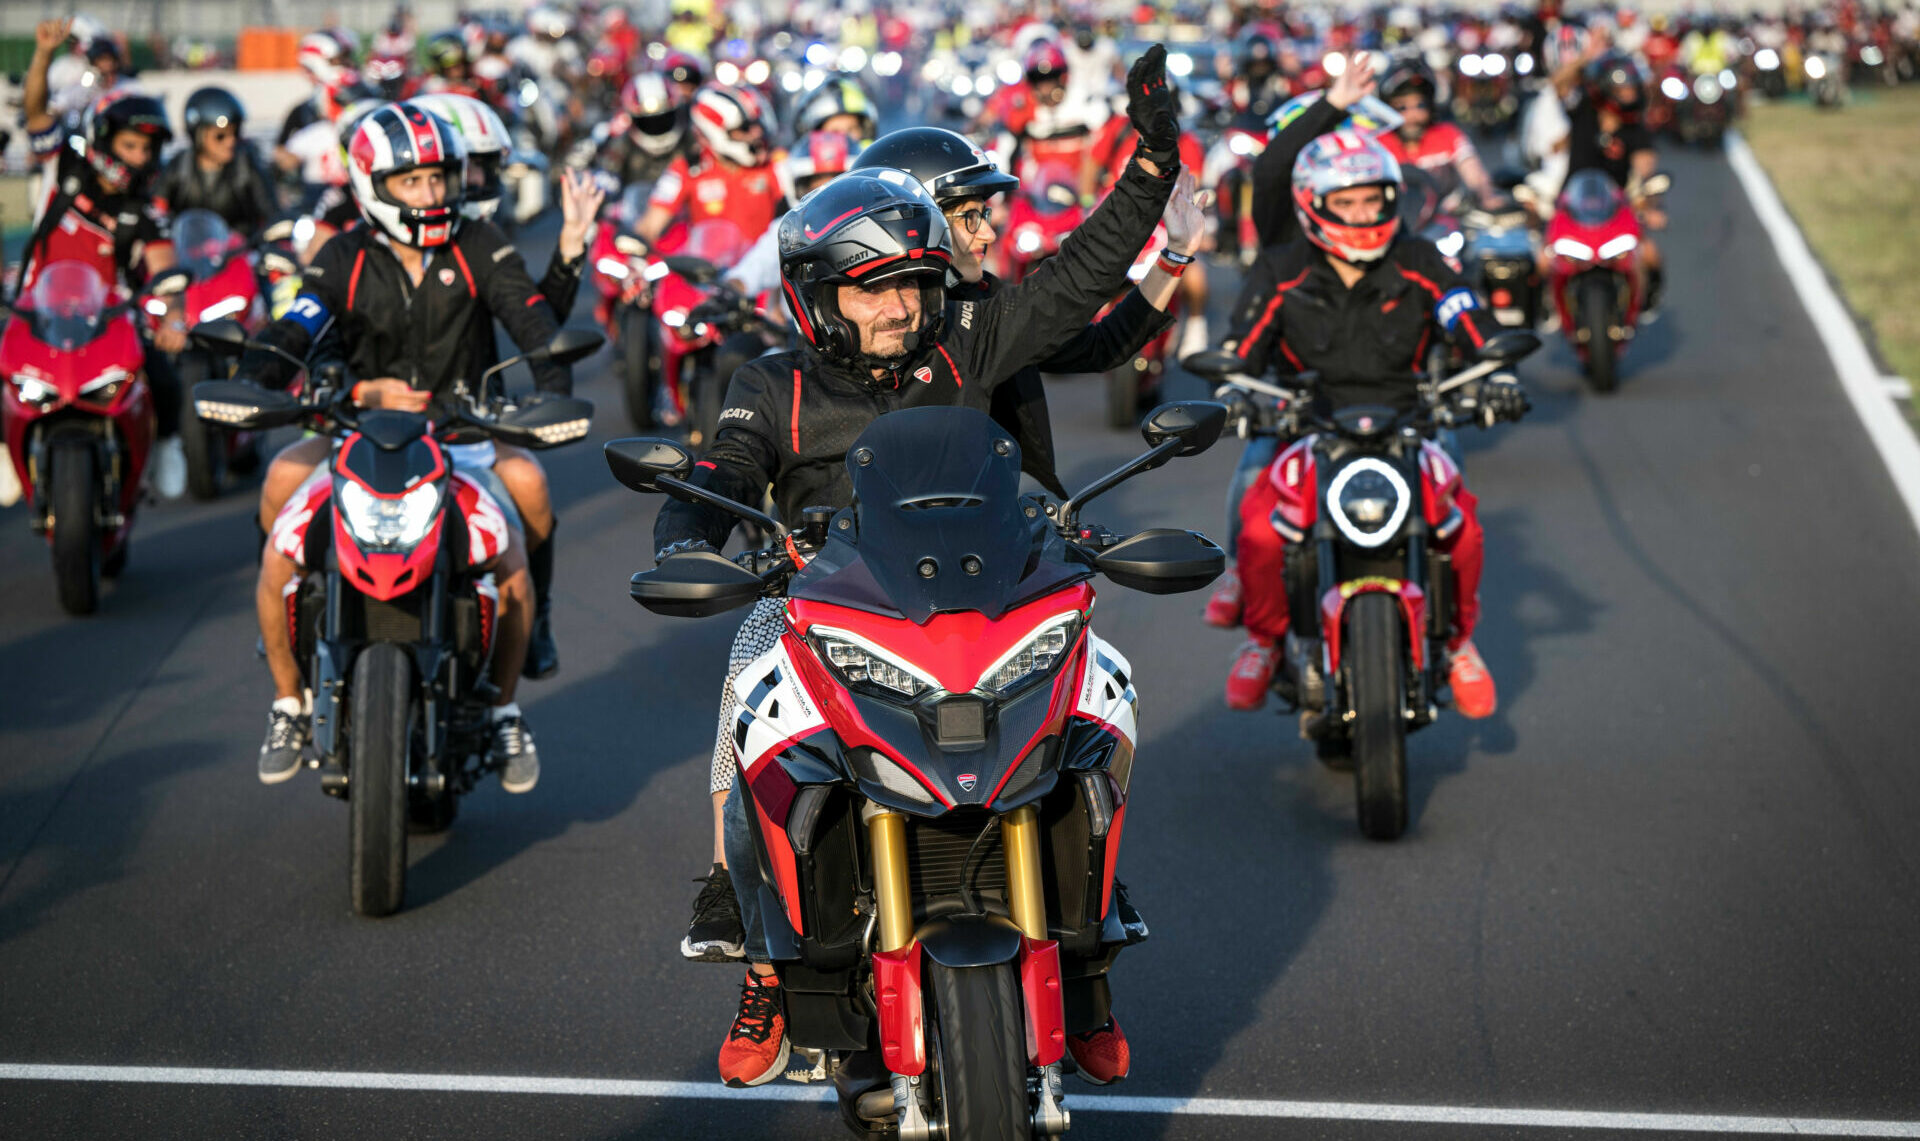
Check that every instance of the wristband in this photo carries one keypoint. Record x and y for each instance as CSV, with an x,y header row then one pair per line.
x,y
1176,257
353,394
1172,268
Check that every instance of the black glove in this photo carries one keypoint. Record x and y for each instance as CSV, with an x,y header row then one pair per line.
x,y
684,546
1152,110
1502,400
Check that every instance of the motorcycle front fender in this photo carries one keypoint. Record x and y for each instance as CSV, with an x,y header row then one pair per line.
x,y
970,940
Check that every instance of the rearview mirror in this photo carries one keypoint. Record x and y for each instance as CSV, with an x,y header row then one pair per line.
x,y
695,584
553,421
699,271
1195,423
1656,185
569,345
236,404
1510,346
638,461
226,333
1214,364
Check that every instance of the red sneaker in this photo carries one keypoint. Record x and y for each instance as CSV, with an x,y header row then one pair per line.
x,y
1101,1055
756,1048
1473,692
1252,675
1223,608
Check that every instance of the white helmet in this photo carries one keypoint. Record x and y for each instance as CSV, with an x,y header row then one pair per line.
x,y
322,57
718,111
392,140
653,114
488,146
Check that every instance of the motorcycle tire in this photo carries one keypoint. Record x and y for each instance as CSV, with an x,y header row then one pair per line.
x,y
982,1052
639,370
74,495
204,444
1596,317
1123,395
1375,659
379,735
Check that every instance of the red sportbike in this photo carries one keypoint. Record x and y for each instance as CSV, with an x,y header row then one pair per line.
x,y
223,284
1040,215
935,759
392,619
79,423
1594,274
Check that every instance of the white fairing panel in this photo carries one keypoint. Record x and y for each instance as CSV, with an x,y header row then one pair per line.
x,y
1106,690
773,708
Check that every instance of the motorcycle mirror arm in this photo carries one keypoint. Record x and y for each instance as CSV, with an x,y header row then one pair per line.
x,y
1468,376
682,490
1147,461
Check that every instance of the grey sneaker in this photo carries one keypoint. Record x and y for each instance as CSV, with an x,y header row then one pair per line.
x,y
513,750
287,735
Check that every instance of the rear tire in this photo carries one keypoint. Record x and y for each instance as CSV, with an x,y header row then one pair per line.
x,y
74,496
1377,680
380,740
982,1051
639,372
1596,317
205,445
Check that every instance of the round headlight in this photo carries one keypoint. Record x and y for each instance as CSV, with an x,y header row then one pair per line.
x,y
1368,501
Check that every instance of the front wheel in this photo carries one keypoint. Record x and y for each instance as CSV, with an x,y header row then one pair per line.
x,y
982,1053
379,736
1596,318
204,444
1375,659
74,497
639,371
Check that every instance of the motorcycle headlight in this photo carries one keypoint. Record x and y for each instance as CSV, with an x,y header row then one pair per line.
x,y
1816,67
221,309
1673,88
1368,501
1766,59
34,392
1615,247
104,388
1452,244
1469,66
1707,88
1244,145
1034,658
388,524
963,85
1523,63
1028,241
1493,64
757,72
859,663
1568,248
612,267
726,73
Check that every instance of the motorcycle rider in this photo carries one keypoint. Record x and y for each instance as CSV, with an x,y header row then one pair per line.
x,y
838,104
1442,150
96,206
734,178
1358,302
1605,97
887,341
414,292
638,144
218,170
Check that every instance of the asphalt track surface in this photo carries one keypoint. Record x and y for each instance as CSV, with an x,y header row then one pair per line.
x,y
1675,873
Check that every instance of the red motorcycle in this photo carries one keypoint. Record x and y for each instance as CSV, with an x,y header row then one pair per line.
x,y
1594,275
1040,215
224,284
935,759
393,624
78,422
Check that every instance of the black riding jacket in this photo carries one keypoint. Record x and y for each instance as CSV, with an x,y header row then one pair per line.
x,y
790,417
241,192
1367,342
429,335
1020,405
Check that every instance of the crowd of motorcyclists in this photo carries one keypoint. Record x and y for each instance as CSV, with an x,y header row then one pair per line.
x,y
927,212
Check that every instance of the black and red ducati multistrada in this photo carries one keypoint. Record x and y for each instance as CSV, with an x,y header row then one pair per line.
x,y
936,757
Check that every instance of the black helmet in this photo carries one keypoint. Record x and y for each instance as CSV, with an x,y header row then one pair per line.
x,y
1256,55
213,107
119,111
947,164
1409,78
864,226
1607,75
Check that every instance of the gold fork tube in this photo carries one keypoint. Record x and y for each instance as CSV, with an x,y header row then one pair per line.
x,y
887,832
1020,834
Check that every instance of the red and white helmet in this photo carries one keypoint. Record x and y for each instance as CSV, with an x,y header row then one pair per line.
x,y
818,154
392,140
653,107
488,146
1045,60
1338,161
719,111
323,57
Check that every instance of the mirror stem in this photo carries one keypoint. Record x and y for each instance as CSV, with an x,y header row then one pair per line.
x,y
1070,510
681,489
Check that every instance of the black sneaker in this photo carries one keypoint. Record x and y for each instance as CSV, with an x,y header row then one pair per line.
x,y
280,753
543,653
513,750
715,935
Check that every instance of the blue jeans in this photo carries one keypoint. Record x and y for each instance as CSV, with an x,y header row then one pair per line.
x,y
743,868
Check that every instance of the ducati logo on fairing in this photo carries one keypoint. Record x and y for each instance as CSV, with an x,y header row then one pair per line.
x,y
446,277
967,781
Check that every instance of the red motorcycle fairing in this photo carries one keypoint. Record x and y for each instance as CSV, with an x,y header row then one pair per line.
x,y
112,362
1583,240
1293,475
1040,988
902,1014
233,292
1413,607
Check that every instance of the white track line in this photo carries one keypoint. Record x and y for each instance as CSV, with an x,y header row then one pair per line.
x,y
1096,1103
1859,376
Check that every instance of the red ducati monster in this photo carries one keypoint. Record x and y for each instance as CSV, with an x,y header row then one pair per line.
x,y
935,758
392,623
78,418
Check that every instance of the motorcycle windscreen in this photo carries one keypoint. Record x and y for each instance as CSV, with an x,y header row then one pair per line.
x,y
69,303
937,509
1591,198
202,242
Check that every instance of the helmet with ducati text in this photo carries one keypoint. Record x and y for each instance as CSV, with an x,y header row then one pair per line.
x,y
395,139
485,135
948,164
1345,160
720,111
864,227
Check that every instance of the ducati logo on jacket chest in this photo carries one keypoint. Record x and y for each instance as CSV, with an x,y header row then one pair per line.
x,y
446,277
923,374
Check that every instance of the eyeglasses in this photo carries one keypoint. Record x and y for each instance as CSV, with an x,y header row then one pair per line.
x,y
975,218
